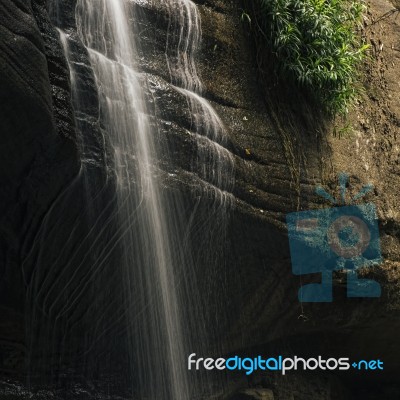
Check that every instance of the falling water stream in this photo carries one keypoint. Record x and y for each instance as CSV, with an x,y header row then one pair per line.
x,y
184,39
149,228
105,30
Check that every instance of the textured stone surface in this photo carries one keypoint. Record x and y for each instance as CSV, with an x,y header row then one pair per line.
x,y
44,209
38,151
283,148
280,153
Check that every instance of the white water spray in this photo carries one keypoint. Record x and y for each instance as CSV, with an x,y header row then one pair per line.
x,y
148,232
149,258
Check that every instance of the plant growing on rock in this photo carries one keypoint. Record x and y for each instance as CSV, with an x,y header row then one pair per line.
x,y
317,45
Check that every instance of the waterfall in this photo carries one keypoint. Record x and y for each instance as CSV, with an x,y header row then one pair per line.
x,y
150,259
163,308
214,163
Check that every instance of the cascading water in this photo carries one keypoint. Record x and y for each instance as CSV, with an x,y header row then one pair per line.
x,y
149,256
149,233
214,163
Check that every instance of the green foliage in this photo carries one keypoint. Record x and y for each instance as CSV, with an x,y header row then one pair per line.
x,y
317,45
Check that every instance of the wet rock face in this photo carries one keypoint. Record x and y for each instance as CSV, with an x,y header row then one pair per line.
x,y
282,151
44,224
40,157
278,158
38,150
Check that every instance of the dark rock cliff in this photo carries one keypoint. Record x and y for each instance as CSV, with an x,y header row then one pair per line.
x,y
281,151
44,205
291,150
39,152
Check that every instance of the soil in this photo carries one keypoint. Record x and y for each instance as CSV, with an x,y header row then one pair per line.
x,y
367,142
